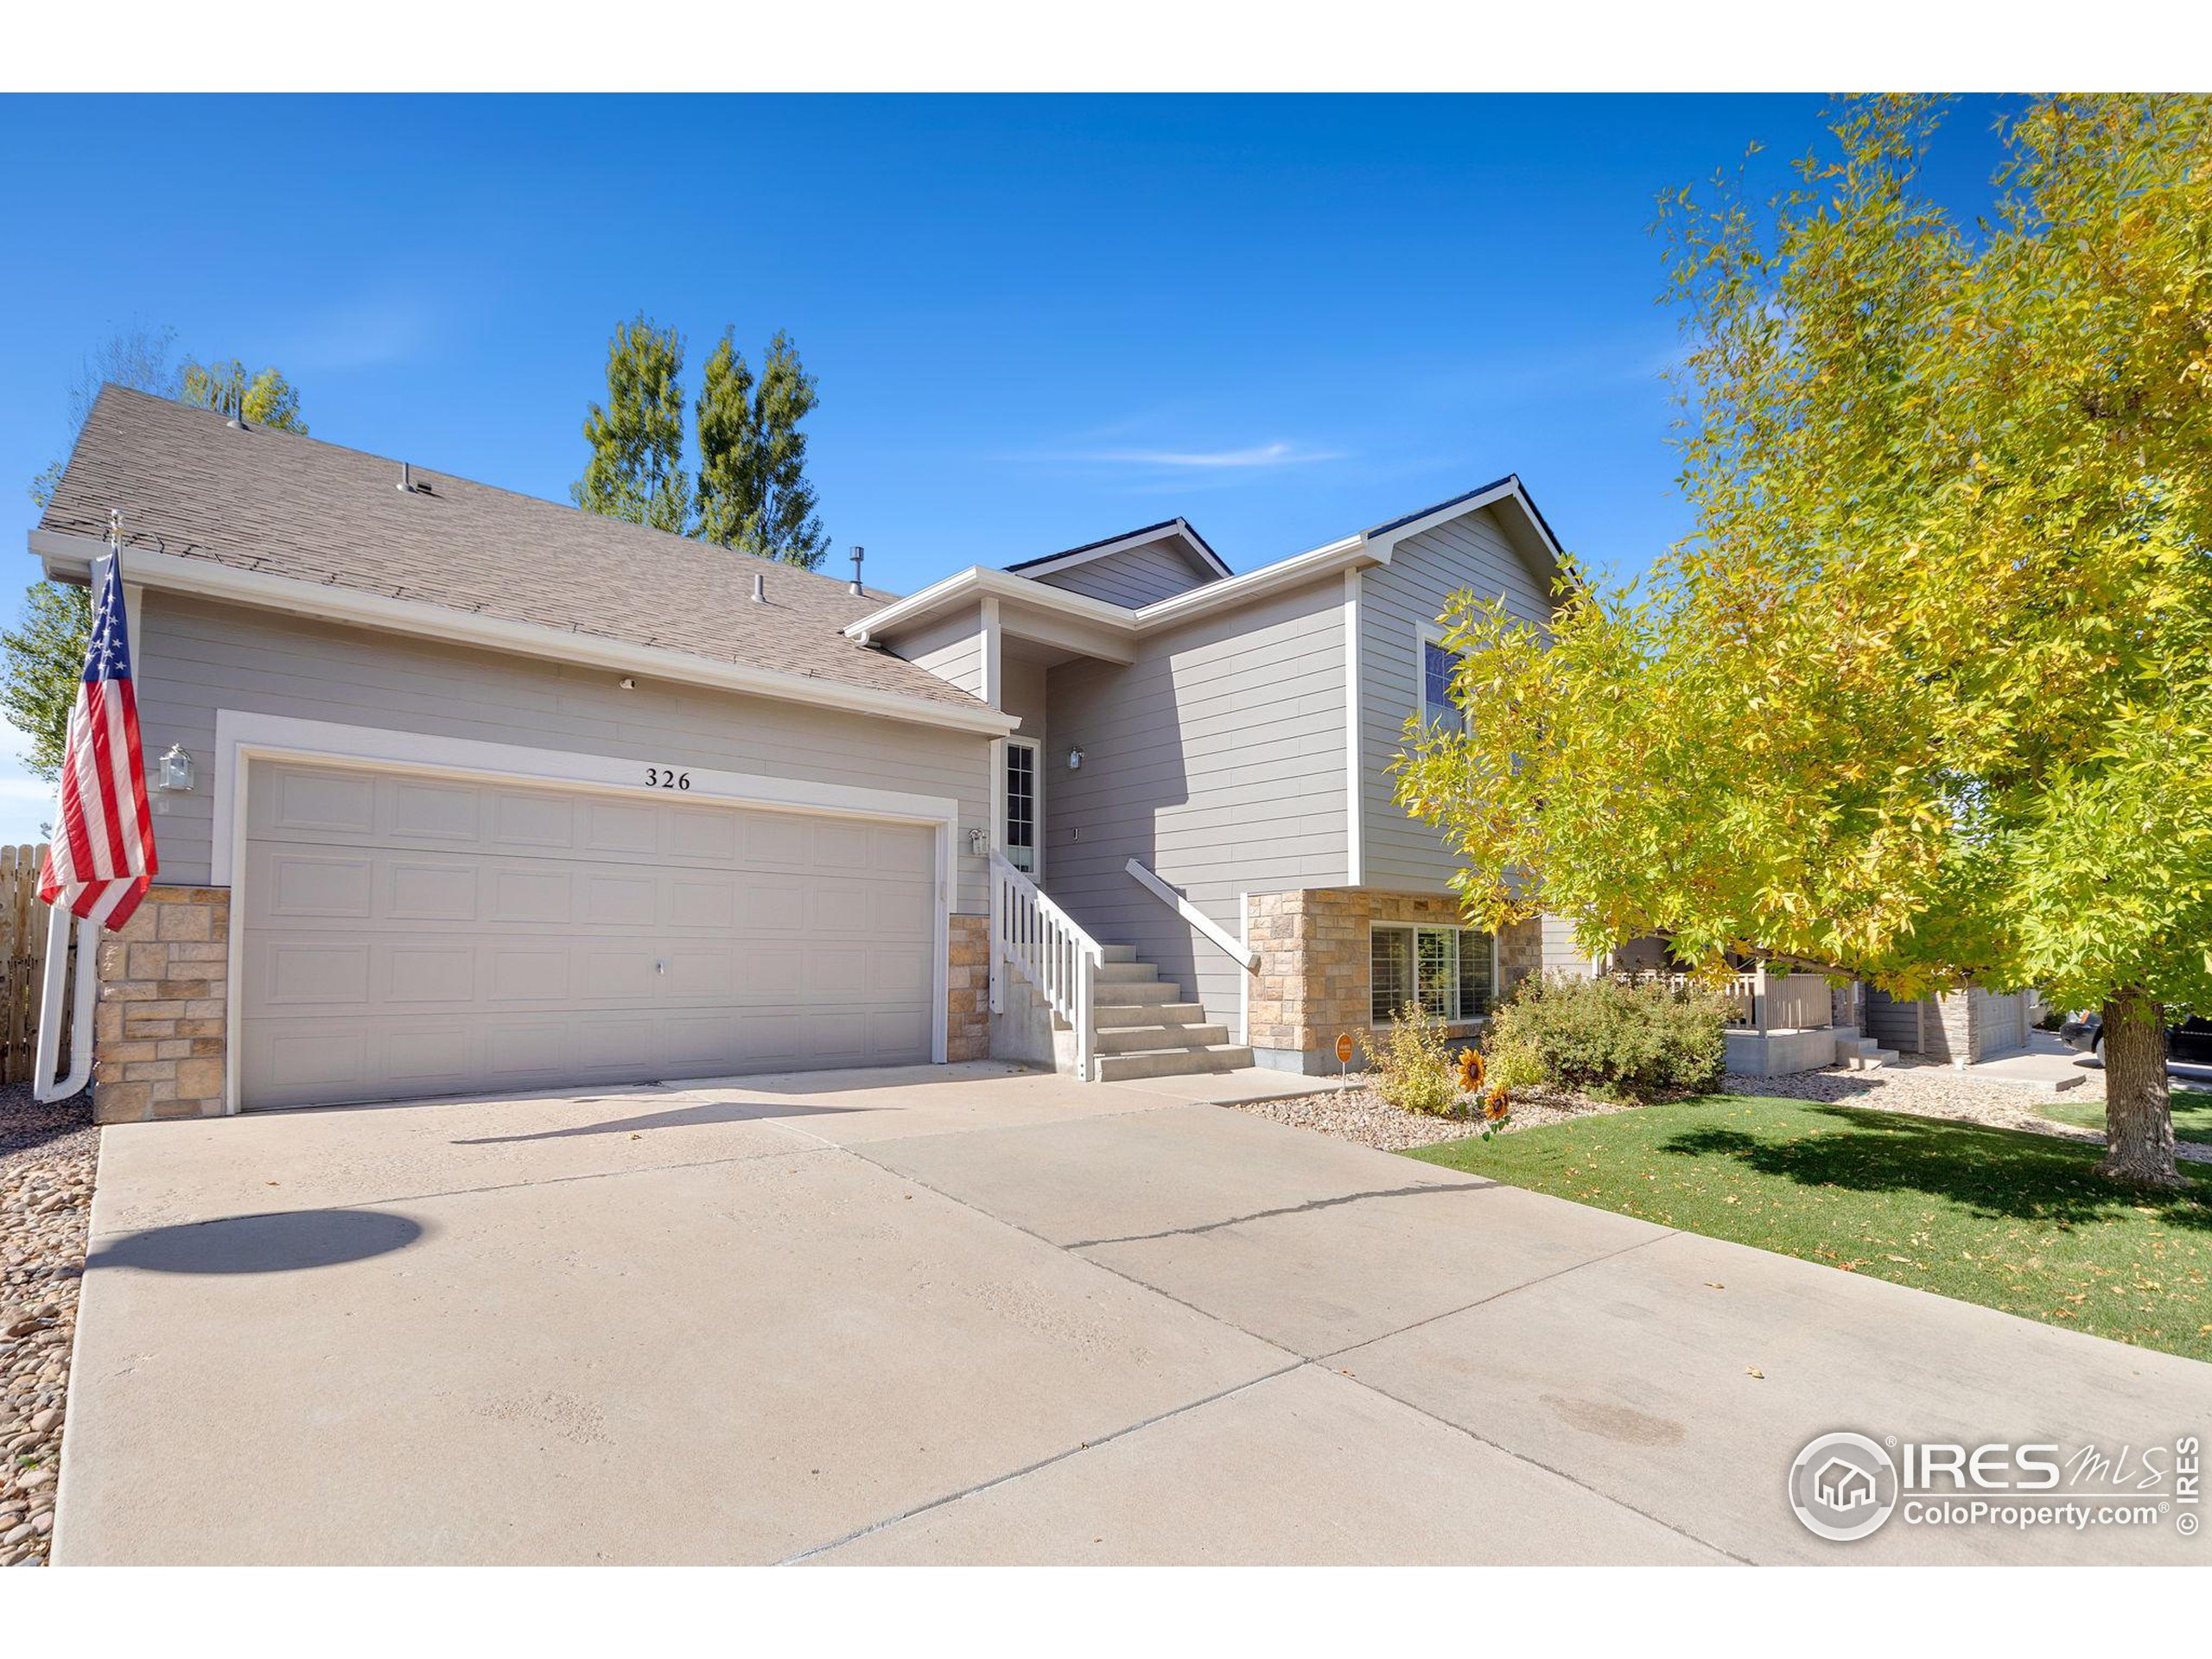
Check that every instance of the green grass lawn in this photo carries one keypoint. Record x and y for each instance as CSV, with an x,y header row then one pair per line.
x,y
2008,1219
2192,1115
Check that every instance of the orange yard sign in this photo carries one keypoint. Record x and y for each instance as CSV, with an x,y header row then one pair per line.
x,y
1343,1048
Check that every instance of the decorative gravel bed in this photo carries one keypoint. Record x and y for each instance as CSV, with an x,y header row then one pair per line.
x,y
1355,1114
1924,1088
47,1158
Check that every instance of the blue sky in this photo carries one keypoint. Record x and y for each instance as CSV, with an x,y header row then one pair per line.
x,y
1036,322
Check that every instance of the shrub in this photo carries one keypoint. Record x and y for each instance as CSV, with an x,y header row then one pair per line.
x,y
1599,1037
1412,1066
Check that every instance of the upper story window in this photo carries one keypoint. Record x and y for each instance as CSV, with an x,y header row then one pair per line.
x,y
1438,665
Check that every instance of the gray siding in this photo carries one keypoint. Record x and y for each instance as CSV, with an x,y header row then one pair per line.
x,y
1398,854
951,649
1140,575
1561,954
1217,759
1022,694
1892,1023
196,657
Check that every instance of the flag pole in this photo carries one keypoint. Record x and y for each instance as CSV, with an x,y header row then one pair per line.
x,y
45,1087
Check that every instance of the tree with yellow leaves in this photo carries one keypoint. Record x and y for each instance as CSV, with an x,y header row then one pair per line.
x,y
1927,695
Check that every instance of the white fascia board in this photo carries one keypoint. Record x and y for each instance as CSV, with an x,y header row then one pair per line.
x,y
1349,553
67,557
976,582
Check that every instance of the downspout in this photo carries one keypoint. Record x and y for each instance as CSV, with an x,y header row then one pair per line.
x,y
44,1089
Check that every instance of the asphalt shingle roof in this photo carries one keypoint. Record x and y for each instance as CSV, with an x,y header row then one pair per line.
x,y
191,485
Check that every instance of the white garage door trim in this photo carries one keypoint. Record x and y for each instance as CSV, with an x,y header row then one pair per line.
x,y
243,737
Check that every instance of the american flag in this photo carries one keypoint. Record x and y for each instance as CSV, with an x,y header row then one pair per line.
x,y
102,861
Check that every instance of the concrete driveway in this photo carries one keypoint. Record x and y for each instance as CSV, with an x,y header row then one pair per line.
x,y
973,1314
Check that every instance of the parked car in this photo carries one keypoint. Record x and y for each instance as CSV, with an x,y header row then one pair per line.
x,y
2190,1041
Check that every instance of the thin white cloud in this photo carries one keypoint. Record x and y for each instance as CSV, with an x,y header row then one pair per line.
x,y
1278,453
368,331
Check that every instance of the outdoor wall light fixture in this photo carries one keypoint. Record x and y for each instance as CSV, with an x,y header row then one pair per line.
x,y
1075,759
627,683
975,839
176,770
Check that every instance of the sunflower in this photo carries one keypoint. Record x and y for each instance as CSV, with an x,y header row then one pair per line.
x,y
1497,1105
1471,1070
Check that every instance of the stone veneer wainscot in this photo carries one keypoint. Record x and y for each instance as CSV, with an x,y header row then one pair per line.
x,y
967,994
1312,981
159,1027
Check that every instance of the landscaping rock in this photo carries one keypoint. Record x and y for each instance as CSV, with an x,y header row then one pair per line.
x,y
49,1156
1355,1114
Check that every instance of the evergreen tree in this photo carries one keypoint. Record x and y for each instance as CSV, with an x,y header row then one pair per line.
x,y
789,529
753,495
636,470
730,450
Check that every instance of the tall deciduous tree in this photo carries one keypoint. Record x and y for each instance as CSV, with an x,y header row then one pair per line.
x,y
261,397
42,657
636,470
1927,695
753,495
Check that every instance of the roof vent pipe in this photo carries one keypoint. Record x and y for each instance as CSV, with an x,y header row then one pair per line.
x,y
760,586
859,553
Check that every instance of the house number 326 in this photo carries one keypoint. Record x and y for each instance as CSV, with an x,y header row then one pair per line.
x,y
666,777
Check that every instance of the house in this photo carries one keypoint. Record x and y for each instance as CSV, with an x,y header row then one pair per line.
x,y
1843,1486
469,791
1783,1021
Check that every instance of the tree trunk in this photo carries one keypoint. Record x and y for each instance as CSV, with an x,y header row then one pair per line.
x,y
2139,1119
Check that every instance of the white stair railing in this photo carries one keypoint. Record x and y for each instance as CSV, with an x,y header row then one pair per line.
x,y
1213,931
1050,947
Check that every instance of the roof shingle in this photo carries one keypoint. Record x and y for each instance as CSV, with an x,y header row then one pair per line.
x,y
189,484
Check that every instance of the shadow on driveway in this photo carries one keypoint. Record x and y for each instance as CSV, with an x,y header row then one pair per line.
x,y
273,1243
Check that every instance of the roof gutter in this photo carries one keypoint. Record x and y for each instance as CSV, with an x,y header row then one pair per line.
x,y
69,557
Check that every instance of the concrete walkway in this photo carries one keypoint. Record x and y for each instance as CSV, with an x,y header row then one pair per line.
x,y
974,1314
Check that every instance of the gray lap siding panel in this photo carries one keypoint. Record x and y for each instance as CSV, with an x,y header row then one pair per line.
x,y
1398,854
1141,577
195,658
1216,759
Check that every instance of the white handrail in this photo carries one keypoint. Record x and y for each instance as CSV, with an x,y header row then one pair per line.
x,y
1248,960
1052,950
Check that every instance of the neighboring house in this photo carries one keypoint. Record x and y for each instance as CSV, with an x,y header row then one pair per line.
x,y
486,794
1782,1022
1964,1027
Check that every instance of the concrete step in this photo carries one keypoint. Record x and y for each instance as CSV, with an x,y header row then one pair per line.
x,y
1124,973
1131,1016
1870,1059
1172,1063
1113,995
1128,1039
1119,952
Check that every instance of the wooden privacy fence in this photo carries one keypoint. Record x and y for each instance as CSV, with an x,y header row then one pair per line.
x,y
22,931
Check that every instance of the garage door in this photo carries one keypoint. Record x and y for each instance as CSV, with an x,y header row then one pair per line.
x,y
410,936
